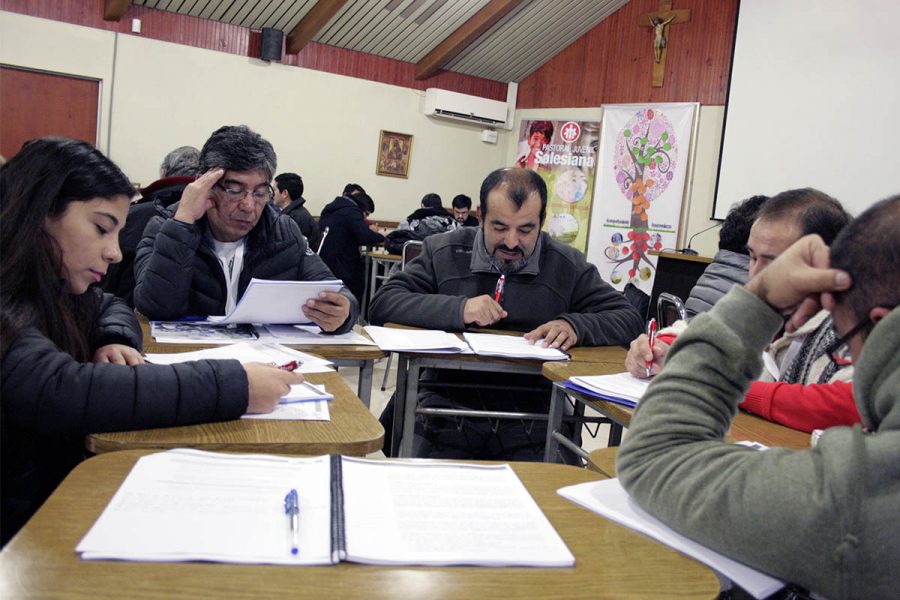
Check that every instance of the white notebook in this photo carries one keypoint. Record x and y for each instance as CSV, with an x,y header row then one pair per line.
x,y
433,341
623,388
511,346
186,505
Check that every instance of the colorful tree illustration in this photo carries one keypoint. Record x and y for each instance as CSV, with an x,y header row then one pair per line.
x,y
644,161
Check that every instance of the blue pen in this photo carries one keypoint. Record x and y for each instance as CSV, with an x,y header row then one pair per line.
x,y
292,509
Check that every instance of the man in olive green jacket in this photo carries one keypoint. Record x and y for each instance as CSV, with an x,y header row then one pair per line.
x,y
827,518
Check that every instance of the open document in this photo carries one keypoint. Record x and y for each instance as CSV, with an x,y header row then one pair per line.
x,y
185,505
433,341
511,346
621,388
266,301
609,499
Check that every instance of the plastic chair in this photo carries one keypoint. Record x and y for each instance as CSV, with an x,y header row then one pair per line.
x,y
669,308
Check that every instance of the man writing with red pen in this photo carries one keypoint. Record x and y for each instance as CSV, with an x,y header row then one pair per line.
x,y
548,290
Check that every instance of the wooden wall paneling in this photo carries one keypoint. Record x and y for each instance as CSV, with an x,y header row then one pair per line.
x,y
612,63
36,104
212,35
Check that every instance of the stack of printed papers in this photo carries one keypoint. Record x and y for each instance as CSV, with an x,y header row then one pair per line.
x,y
266,301
511,346
622,388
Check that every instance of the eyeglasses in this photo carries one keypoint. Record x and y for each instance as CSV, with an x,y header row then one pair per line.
x,y
260,194
837,350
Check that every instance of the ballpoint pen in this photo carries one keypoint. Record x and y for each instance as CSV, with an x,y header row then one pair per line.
x,y
292,510
651,335
290,366
498,291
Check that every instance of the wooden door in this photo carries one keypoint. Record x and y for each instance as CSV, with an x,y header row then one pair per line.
x,y
35,104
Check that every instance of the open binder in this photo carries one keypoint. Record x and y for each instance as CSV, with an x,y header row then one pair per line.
x,y
185,505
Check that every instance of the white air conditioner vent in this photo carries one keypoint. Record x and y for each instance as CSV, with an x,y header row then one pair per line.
x,y
462,107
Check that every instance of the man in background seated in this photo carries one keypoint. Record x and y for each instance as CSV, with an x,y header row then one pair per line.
x,y
462,211
198,256
430,218
551,293
178,169
347,231
800,386
729,265
289,198
825,518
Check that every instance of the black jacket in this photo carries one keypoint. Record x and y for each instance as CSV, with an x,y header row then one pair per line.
x,y
178,274
50,402
347,231
308,226
119,278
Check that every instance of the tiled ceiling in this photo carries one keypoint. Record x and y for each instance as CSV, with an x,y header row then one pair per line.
x,y
520,42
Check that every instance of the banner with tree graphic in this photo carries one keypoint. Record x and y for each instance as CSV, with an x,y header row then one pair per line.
x,y
643,159
564,154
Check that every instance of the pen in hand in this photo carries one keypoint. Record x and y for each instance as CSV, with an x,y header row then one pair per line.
x,y
292,510
651,335
498,291
291,366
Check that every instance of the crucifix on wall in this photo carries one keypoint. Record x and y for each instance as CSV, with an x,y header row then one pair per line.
x,y
659,21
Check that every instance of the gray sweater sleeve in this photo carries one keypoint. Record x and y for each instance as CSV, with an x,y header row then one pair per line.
x,y
790,513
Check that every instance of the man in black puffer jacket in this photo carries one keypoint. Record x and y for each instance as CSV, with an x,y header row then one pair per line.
x,y
197,257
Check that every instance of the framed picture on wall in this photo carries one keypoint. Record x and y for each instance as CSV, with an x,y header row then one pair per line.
x,y
394,150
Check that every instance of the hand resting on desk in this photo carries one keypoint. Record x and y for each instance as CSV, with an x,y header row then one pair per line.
x,y
118,354
267,384
328,312
558,333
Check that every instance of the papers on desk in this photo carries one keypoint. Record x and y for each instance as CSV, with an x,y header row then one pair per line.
x,y
433,341
621,388
609,499
185,505
200,332
249,352
305,402
266,301
511,346
311,335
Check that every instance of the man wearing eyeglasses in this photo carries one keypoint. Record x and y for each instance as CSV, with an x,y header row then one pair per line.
x,y
197,257
826,518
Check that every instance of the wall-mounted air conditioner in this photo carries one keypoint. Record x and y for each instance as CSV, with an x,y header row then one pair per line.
x,y
462,107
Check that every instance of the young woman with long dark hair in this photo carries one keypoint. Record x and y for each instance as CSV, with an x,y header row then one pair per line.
x,y
69,354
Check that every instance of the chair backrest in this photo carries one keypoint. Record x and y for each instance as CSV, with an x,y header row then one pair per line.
x,y
669,308
411,249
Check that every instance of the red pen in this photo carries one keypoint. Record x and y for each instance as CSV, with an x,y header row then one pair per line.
x,y
498,291
289,366
651,334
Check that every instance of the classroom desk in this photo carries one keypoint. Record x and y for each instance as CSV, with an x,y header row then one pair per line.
x,y
610,560
744,427
410,365
352,430
360,357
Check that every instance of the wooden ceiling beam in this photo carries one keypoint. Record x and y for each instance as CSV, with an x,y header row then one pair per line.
x,y
114,10
312,23
460,39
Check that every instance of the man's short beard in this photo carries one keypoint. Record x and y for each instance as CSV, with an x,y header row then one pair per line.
x,y
509,267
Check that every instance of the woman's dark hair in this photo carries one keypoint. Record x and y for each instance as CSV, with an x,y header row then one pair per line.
x,y
40,182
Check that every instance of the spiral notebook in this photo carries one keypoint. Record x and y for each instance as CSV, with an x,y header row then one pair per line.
x,y
190,505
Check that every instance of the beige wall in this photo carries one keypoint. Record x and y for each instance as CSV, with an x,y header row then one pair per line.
x,y
701,188
323,126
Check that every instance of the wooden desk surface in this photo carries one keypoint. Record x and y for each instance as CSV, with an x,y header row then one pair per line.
x,y
611,561
681,256
352,430
745,427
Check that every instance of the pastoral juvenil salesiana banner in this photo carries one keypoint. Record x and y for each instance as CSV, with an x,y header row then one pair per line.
x,y
564,154
644,151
